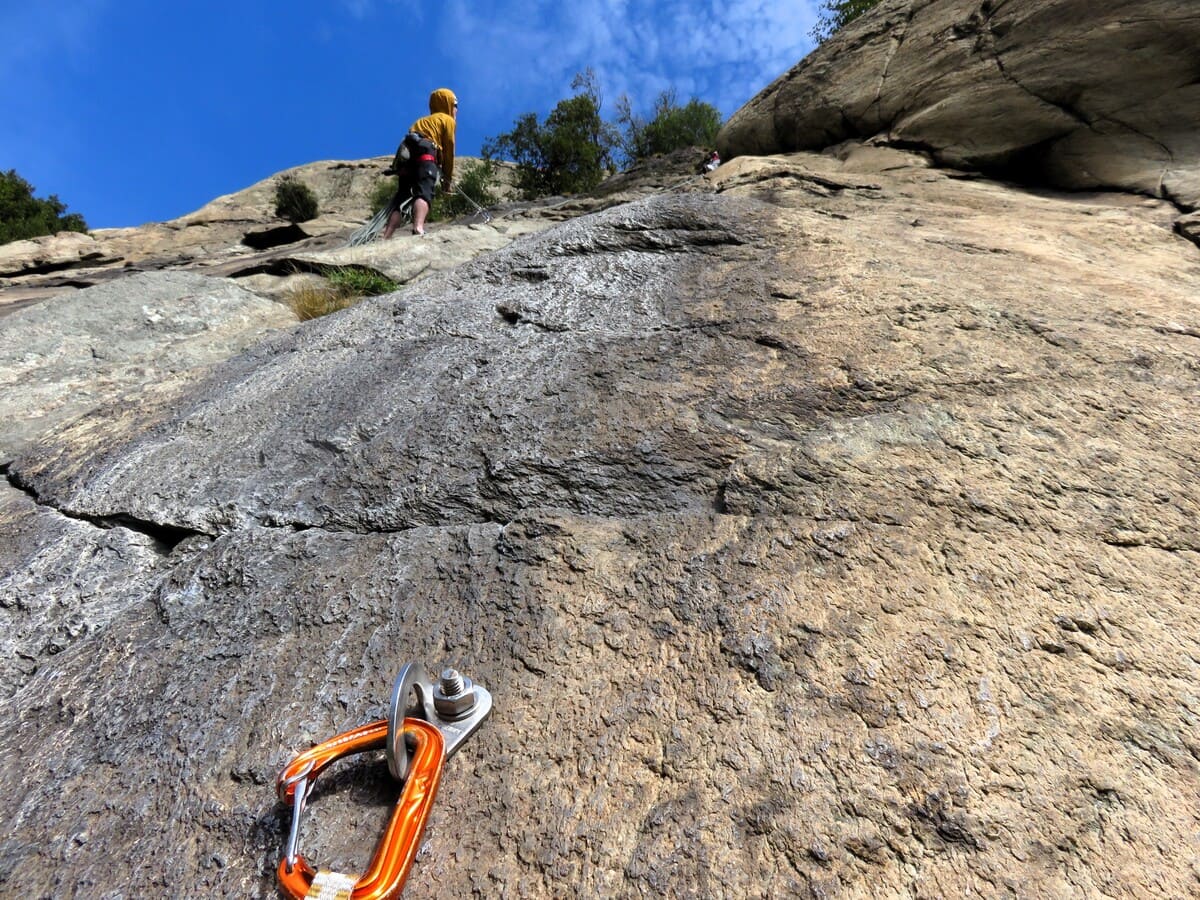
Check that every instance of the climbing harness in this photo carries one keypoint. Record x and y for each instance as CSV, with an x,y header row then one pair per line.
x,y
416,749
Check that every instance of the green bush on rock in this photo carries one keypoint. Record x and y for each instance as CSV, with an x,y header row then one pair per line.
x,y
295,200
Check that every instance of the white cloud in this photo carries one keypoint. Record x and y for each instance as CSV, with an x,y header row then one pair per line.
x,y
518,51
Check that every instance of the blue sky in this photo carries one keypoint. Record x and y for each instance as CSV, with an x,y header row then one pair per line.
x,y
136,111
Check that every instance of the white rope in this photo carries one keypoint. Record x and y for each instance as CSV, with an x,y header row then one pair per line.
x,y
487,216
684,183
371,230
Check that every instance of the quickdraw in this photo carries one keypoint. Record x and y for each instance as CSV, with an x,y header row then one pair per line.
x,y
417,750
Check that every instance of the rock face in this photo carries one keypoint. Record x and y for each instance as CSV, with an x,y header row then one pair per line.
x,y
53,253
1081,94
826,530
238,236
64,357
825,526
232,235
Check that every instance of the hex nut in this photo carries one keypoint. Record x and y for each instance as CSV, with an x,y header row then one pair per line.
x,y
454,706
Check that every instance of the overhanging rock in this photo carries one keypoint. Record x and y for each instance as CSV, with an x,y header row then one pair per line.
x,y
1074,93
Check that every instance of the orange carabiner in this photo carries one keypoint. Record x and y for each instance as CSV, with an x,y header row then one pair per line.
x,y
398,847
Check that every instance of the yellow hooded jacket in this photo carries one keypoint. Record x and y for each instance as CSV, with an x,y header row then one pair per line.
x,y
438,126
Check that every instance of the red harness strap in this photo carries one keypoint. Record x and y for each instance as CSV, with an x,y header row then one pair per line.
x,y
426,157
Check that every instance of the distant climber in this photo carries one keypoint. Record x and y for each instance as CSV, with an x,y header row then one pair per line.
x,y
428,145
712,163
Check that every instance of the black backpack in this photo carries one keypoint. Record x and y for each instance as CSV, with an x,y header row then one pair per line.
x,y
412,145
400,160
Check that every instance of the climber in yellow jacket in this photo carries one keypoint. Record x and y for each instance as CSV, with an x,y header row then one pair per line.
x,y
430,144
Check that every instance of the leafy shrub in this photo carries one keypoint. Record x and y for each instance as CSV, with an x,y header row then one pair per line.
x,y
384,191
571,151
695,124
477,181
24,216
833,14
295,200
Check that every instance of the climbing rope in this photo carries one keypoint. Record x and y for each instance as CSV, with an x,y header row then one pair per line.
x,y
684,183
487,216
371,230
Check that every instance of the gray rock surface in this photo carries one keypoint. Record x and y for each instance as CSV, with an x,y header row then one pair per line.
x,y
68,583
137,336
406,259
217,239
829,530
1080,94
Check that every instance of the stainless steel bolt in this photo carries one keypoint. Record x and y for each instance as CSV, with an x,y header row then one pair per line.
x,y
454,697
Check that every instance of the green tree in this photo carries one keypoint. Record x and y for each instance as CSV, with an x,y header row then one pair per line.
x,y
24,216
523,146
294,200
836,13
695,124
571,151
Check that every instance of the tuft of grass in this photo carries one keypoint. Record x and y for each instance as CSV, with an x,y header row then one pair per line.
x,y
313,301
345,286
363,282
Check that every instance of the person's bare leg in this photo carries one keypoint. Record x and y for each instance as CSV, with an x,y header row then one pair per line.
x,y
420,211
393,223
